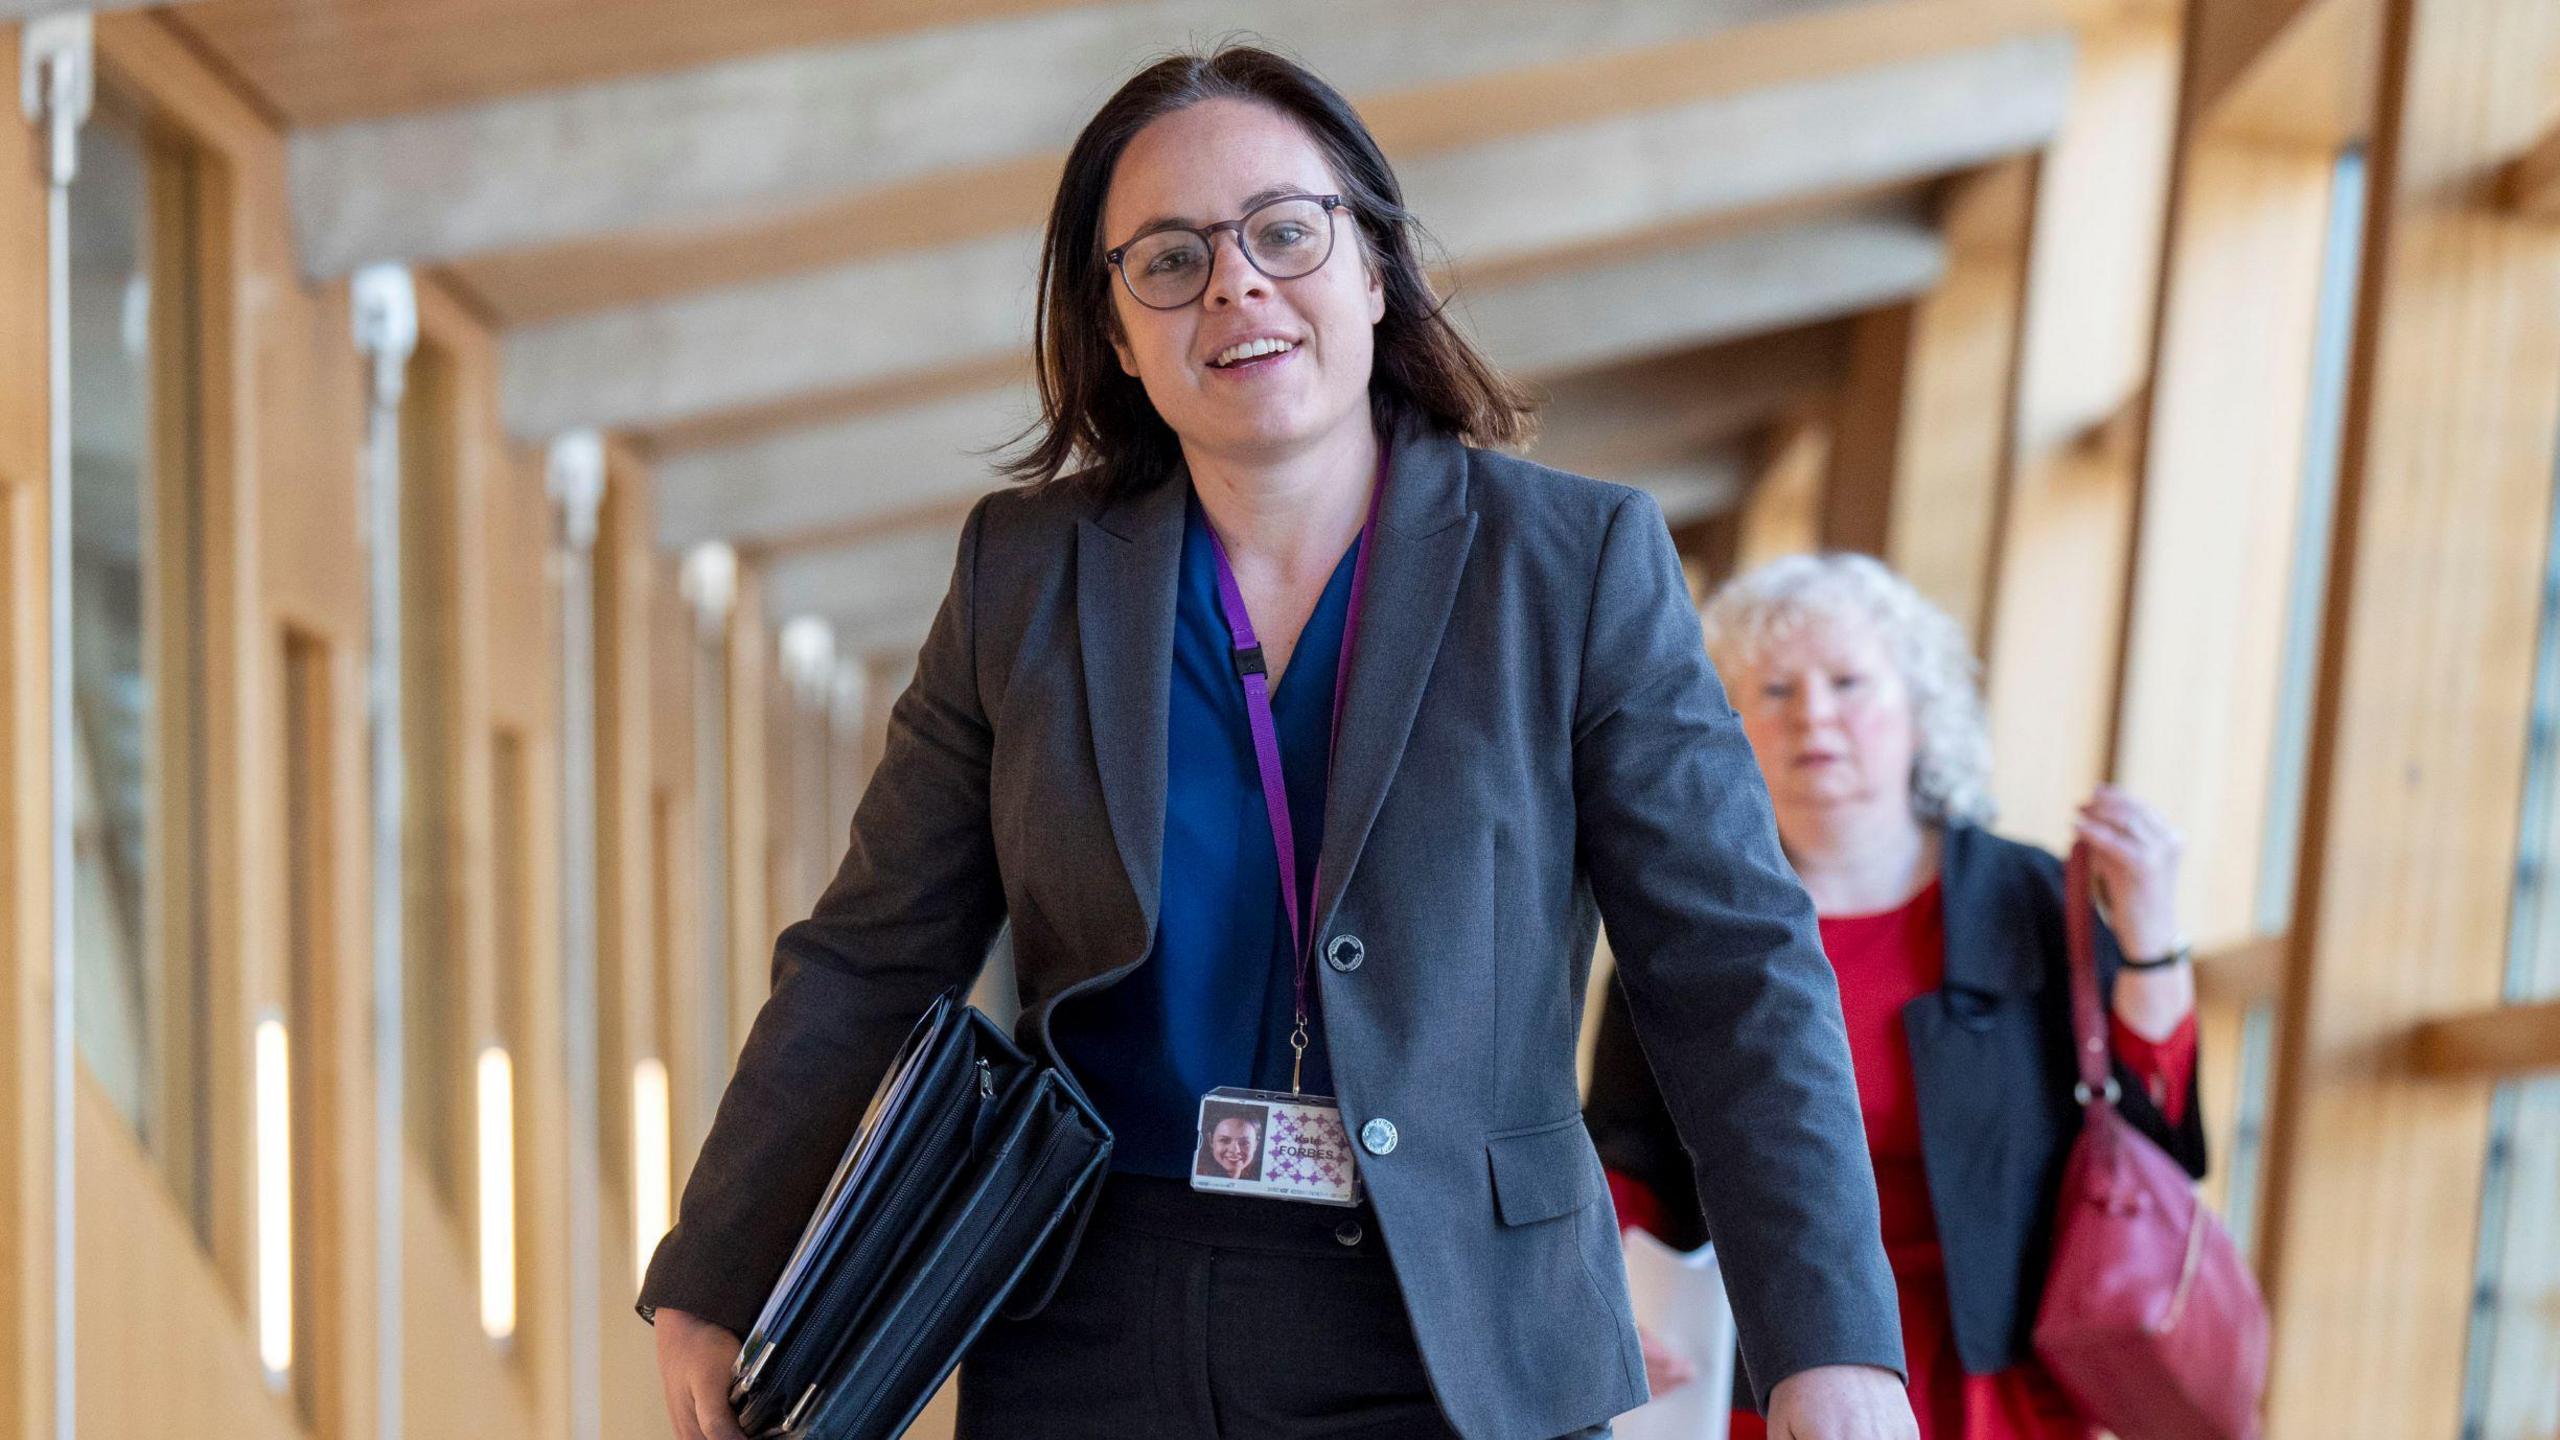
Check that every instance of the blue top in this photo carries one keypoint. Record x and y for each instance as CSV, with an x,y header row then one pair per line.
x,y
1214,1003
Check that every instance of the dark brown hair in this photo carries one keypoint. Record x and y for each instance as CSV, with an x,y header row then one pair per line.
x,y
1097,430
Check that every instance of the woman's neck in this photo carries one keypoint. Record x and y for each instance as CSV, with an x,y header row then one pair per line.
x,y
1858,860
1286,519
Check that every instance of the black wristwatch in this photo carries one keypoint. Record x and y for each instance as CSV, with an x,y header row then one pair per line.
x,y
2179,954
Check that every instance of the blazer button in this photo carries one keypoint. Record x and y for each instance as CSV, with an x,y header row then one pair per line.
x,y
1345,953
1348,1233
1379,1136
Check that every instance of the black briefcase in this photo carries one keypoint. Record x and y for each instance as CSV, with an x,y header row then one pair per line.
x,y
963,1191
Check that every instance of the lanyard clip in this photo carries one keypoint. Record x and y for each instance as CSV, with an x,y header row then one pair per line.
x,y
1249,661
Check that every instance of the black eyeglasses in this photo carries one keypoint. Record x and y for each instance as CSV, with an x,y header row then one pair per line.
x,y
1168,268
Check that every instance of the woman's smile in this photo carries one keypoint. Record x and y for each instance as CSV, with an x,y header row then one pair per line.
x,y
1253,366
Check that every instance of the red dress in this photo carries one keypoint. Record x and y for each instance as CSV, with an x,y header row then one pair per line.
x,y
1884,961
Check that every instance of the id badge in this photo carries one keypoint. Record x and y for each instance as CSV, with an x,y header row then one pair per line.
x,y
1275,1145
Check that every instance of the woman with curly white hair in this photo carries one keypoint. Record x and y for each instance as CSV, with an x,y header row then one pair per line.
x,y
1860,701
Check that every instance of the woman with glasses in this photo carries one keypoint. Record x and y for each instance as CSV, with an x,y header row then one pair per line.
x,y
1304,745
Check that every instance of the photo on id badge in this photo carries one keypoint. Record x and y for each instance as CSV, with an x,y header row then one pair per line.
x,y
1280,1147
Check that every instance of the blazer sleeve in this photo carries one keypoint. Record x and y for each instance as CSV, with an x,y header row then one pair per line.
x,y
1726,984
911,913
1632,1129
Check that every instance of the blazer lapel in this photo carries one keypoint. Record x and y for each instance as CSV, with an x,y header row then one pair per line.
x,y
1424,533
1128,562
1990,922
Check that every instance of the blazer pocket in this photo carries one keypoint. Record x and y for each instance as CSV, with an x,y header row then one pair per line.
x,y
1542,1172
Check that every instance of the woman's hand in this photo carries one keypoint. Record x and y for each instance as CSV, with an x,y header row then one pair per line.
x,y
2133,857
1841,1402
2133,853
1664,1369
694,1357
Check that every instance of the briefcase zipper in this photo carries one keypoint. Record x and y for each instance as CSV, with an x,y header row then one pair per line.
x,y
843,1276
791,1421
943,1302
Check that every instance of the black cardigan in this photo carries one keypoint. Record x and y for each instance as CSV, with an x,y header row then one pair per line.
x,y
1992,1069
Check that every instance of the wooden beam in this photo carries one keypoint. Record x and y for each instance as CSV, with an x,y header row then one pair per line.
x,y
2241,974
2531,185
849,474
777,135
2310,83
26,791
1601,170
13,10
2500,1042
841,482
1620,419
967,311
799,125
1722,290
880,595
1651,408
337,60
871,324
1710,482
2053,618
2216,543
1925,415
2416,771
1782,512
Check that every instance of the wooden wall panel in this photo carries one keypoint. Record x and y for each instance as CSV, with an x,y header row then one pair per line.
x,y
148,1290
525,830
2416,769
1782,513
494,646
1925,413
630,946
2057,600
676,830
626,947
445,1359
752,927
2221,492
26,936
281,435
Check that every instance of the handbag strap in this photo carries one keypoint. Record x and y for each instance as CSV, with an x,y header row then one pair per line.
x,y
2088,1015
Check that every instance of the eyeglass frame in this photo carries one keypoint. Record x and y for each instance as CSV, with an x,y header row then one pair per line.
x,y
1209,242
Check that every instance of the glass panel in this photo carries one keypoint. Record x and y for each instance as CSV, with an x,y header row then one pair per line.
x,y
141,1022
111,669
2510,1391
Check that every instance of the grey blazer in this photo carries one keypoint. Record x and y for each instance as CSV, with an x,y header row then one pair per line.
x,y
1532,741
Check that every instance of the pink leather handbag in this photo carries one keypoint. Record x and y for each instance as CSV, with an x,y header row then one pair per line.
x,y
2150,1322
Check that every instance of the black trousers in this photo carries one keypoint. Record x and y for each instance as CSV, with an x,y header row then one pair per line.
x,y
1209,1317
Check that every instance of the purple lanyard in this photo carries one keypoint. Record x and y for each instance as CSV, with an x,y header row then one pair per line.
x,y
1266,743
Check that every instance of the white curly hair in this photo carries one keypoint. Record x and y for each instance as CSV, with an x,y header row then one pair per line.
x,y
1754,613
